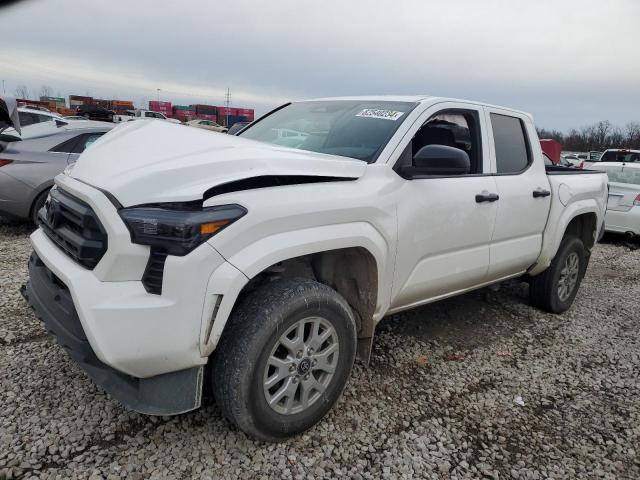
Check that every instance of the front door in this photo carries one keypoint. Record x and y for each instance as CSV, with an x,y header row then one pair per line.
x,y
444,224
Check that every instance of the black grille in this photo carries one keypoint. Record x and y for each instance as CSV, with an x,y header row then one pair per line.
x,y
152,278
74,227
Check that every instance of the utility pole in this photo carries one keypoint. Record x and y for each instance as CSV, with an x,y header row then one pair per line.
x,y
158,94
228,102
3,90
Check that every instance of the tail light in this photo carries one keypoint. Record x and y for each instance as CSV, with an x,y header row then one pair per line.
x,y
5,161
636,202
581,164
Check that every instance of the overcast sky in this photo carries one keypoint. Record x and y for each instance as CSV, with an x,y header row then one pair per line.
x,y
568,62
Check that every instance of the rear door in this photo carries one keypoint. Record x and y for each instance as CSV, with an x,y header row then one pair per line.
x,y
523,187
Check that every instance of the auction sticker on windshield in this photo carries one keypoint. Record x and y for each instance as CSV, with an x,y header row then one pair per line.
x,y
383,114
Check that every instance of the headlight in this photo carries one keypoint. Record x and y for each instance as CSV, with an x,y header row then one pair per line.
x,y
178,231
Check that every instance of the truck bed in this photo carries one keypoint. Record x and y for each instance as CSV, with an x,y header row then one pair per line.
x,y
559,170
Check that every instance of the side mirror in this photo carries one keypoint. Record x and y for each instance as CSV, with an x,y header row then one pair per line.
x,y
437,160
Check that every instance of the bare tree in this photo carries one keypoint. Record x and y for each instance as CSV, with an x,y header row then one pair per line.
x,y
599,136
22,91
46,91
632,134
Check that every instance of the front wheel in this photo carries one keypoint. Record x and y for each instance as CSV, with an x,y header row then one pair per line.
x,y
284,358
555,289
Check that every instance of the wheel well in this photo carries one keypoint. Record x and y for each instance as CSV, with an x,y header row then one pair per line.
x,y
352,272
584,227
41,193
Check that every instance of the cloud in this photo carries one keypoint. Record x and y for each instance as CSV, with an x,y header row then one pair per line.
x,y
569,62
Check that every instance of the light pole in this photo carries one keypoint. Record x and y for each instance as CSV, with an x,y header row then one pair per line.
x,y
3,90
158,94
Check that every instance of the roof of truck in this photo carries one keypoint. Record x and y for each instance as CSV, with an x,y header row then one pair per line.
x,y
413,99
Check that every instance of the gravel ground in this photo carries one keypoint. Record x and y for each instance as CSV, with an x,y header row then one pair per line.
x,y
441,398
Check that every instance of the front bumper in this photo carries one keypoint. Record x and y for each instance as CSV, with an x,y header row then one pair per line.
x,y
165,394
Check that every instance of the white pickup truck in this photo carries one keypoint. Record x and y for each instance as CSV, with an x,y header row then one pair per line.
x,y
270,258
139,114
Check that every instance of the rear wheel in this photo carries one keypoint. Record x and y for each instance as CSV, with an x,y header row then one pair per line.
x,y
555,289
284,358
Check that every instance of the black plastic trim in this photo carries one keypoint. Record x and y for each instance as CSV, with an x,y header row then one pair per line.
x,y
167,394
154,271
74,227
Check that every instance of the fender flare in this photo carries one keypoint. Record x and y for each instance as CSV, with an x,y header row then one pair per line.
x,y
554,233
226,283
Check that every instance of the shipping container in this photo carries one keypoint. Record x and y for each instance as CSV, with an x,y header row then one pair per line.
x,y
161,107
24,102
77,100
183,107
205,109
122,103
64,111
58,101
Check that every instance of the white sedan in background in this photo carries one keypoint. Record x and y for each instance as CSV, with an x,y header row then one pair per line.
x,y
207,125
623,207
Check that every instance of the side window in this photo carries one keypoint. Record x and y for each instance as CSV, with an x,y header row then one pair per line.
x,y
66,146
26,119
512,150
86,140
452,128
44,118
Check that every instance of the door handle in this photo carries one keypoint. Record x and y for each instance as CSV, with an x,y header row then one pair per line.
x,y
485,196
539,192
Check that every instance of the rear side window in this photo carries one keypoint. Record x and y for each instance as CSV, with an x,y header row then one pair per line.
x,y
77,144
85,141
512,149
620,156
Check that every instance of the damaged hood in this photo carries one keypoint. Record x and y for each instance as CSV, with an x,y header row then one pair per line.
x,y
9,114
152,162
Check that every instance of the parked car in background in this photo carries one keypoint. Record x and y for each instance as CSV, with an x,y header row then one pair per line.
x,y
138,114
207,125
35,123
283,260
572,160
126,116
236,127
594,156
73,117
624,155
27,167
620,155
30,116
623,207
95,112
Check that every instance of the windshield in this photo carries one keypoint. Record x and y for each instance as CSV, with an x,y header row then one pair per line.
x,y
620,156
356,129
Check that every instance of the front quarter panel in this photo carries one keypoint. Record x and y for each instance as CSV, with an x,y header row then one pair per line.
x,y
290,221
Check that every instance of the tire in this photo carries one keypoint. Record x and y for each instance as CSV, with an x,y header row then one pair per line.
x,y
38,203
251,343
545,290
